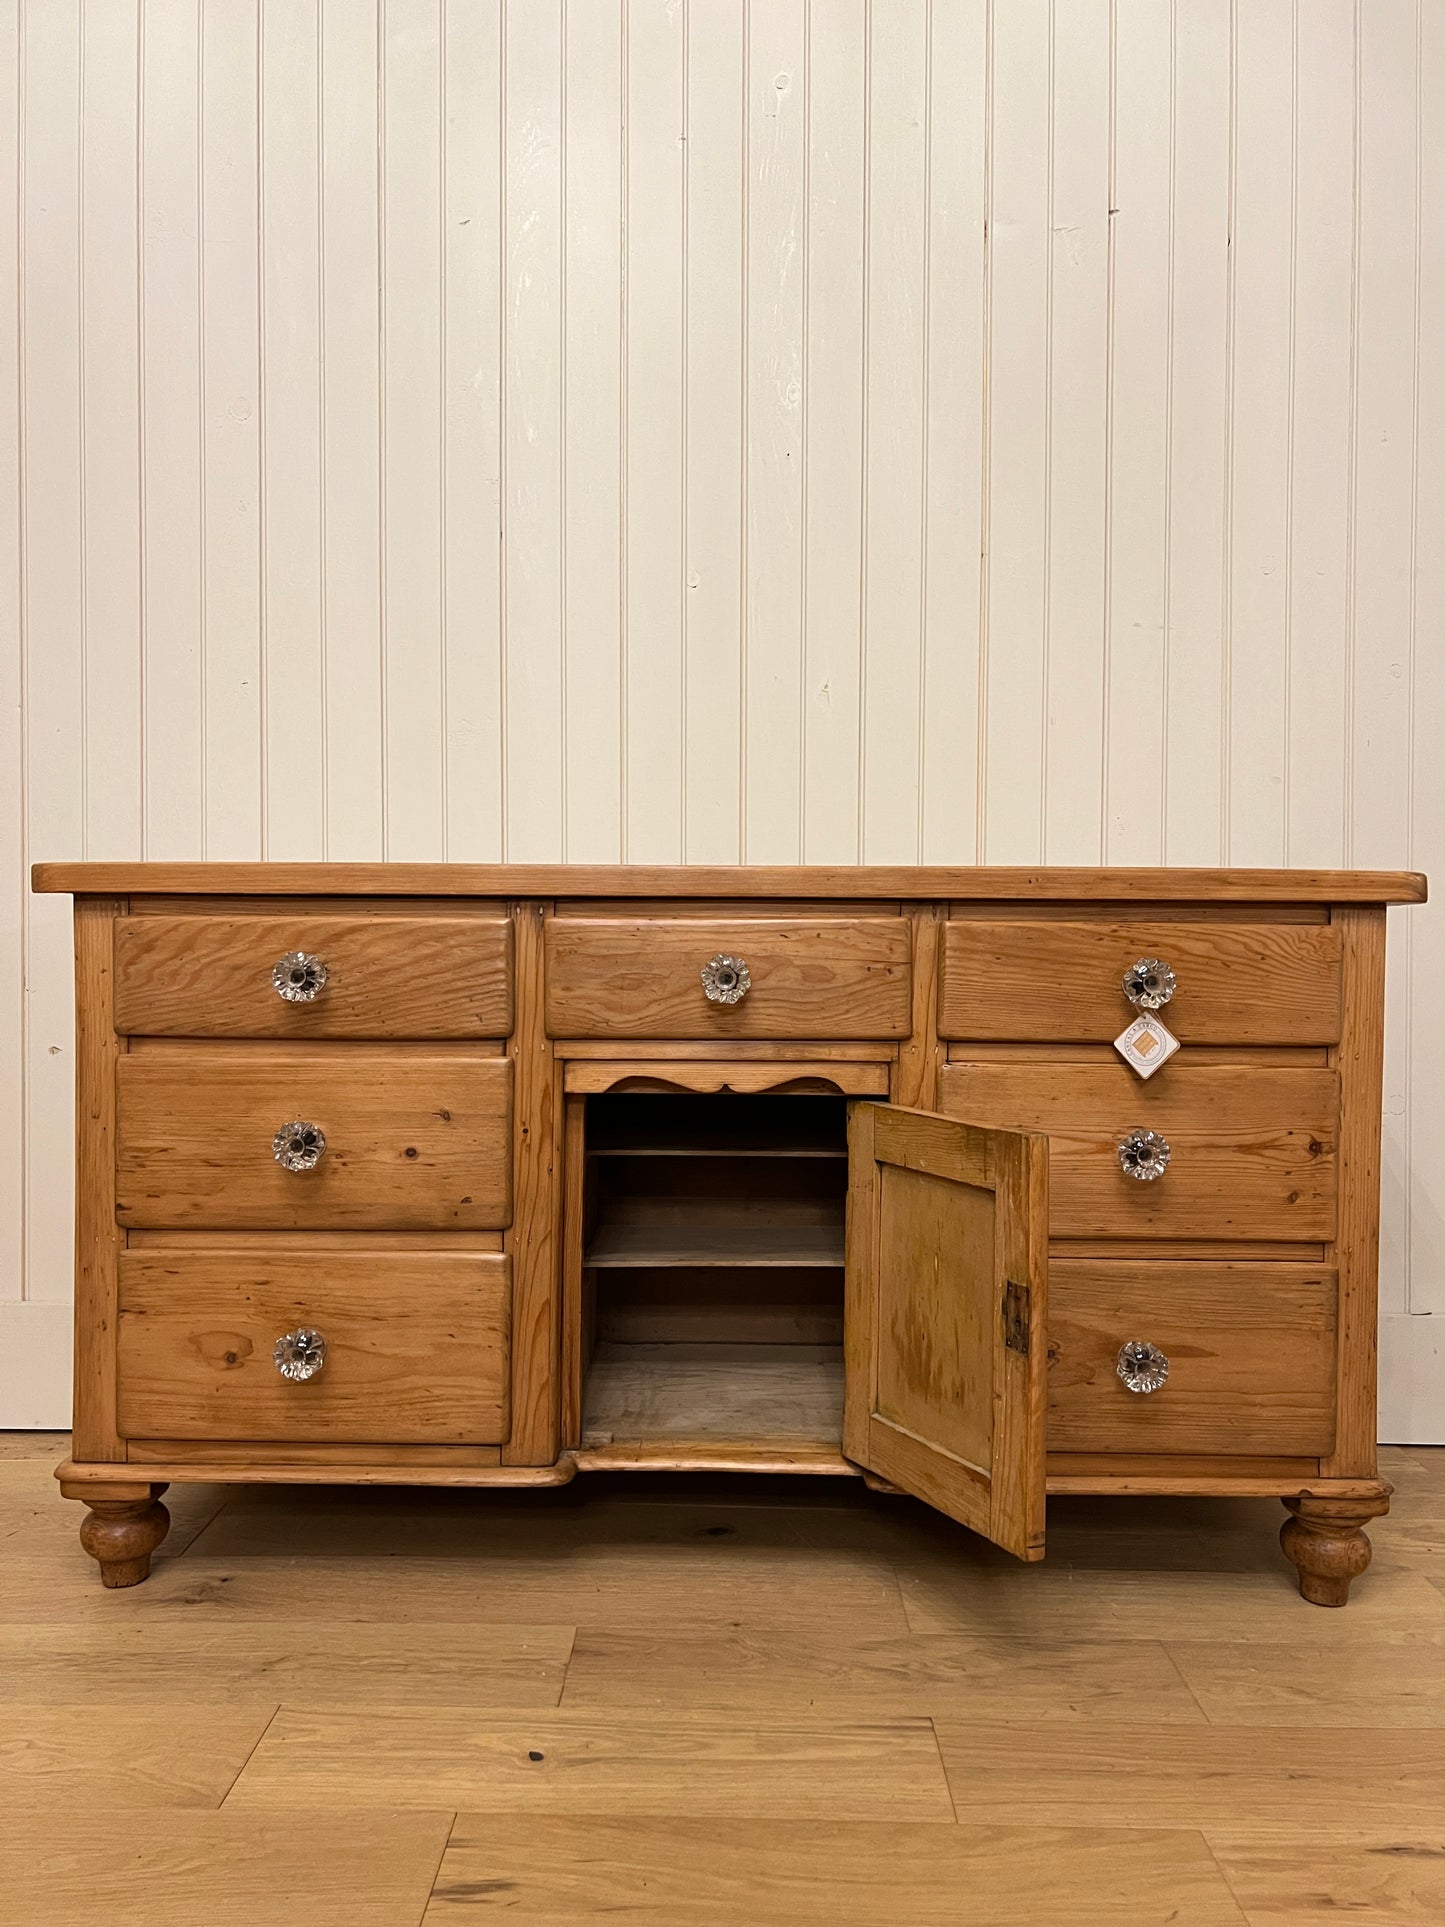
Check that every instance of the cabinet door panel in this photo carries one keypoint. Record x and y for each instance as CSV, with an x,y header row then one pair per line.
x,y
944,1319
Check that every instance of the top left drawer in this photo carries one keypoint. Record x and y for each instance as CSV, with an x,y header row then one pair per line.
x,y
305,976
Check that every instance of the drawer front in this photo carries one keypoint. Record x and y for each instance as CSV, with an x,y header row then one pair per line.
x,y
416,1345
1060,982
642,977
1251,1351
1252,1148
413,1140
211,976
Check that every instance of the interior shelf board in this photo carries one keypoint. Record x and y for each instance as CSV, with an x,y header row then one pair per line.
x,y
719,1151
731,1395
702,1244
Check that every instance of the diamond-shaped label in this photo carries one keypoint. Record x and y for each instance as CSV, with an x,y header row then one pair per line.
x,y
1146,1045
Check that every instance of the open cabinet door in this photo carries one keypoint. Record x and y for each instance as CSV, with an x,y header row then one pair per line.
x,y
946,1360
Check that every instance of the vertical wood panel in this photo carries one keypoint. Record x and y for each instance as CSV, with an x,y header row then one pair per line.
x,y
953,430
233,823
1199,374
533,398
833,429
689,428
593,508
713,556
893,430
351,432
293,668
654,370
13,772
1078,391
1017,458
1260,479
110,429
416,773
171,453
776,297
1134,775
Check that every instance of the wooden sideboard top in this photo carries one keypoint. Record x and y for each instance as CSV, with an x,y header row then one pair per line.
x,y
920,882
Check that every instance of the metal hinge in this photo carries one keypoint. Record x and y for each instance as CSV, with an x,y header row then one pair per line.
x,y
1016,1317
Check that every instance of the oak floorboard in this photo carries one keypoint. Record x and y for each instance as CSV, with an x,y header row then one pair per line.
x,y
72,1759
1392,1681
761,1670
553,1762
548,1872
1297,1876
1142,1775
147,1662
224,1869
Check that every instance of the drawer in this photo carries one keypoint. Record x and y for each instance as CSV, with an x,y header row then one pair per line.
x,y
1252,1148
642,977
416,1345
414,1140
211,976
1061,982
1251,1351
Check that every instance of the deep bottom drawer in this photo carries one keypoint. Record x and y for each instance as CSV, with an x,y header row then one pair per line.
x,y
416,1345
1251,1351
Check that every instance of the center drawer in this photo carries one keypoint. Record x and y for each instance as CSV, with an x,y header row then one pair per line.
x,y
414,1345
412,1140
807,977
1250,1148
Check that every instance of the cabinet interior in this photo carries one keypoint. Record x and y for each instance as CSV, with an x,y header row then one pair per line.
x,y
712,1270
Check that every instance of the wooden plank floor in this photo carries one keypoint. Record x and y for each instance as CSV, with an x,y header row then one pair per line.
x,y
713,1703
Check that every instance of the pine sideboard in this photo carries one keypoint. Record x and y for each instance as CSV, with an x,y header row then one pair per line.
x,y
982,1184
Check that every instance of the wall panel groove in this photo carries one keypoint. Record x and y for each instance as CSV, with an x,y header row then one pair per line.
x,y
708,429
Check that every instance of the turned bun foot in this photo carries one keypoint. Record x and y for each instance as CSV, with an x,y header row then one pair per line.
x,y
121,1534
1326,1540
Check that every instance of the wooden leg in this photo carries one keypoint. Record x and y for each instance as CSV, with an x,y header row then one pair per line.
x,y
121,1535
1325,1538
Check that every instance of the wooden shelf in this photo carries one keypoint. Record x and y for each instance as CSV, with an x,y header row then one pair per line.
x,y
754,1398
714,1240
719,1151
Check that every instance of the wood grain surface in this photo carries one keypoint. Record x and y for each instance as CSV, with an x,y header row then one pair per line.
x,y
924,882
1060,980
413,1140
210,976
416,1345
1251,1352
641,977
1253,1150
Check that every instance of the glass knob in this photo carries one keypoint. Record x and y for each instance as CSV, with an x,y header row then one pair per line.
x,y
300,1354
1142,1366
299,1145
1144,1155
299,978
725,980
1149,983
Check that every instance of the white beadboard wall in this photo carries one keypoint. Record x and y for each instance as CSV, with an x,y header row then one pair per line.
x,y
727,430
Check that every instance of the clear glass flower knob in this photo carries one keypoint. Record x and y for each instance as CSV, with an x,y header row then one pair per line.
x,y
725,980
1142,1366
298,977
299,1145
1144,1155
1149,983
300,1354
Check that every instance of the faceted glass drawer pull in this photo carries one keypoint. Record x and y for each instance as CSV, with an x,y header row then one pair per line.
x,y
725,980
299,1145
1144,1155
300,1354
1149,983
299,978
1142,1366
